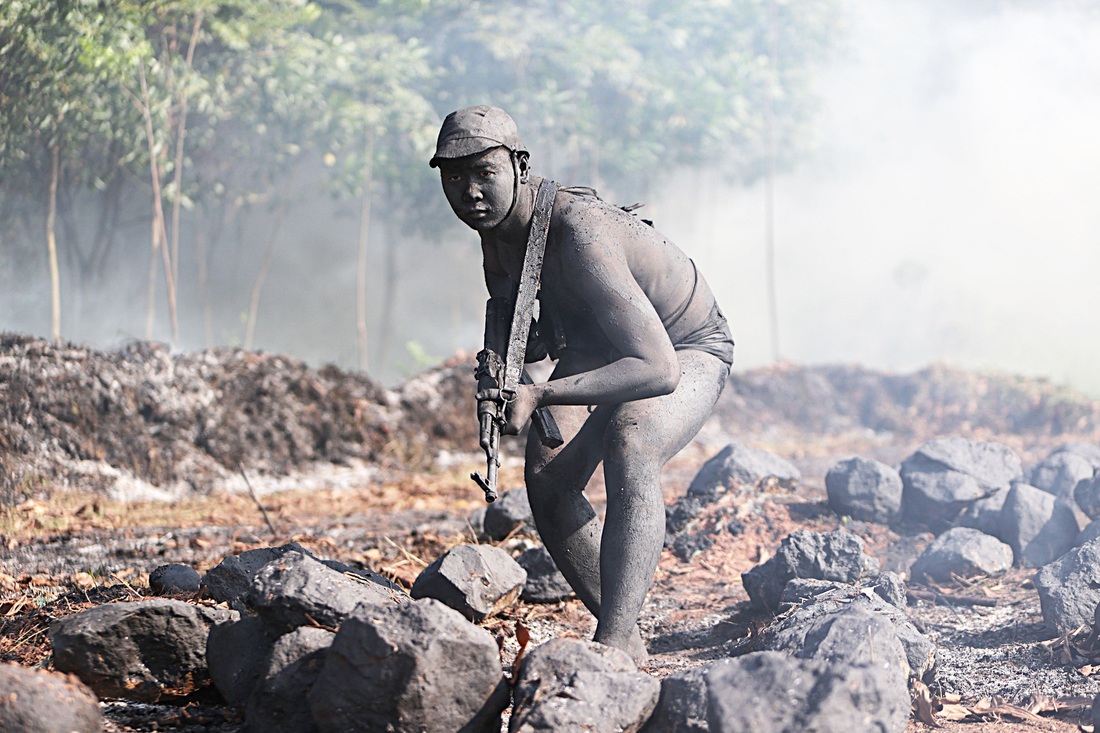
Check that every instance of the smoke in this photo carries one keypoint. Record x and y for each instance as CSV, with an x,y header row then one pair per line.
x,y
951,212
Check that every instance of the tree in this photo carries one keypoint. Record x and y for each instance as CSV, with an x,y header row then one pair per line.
x,y
56,132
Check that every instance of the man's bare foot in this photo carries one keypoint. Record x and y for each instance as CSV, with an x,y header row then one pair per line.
x,y
632,645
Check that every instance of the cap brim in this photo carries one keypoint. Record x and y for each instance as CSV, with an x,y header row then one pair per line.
x,y
461,147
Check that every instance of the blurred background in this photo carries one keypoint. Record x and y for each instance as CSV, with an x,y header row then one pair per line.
x,y
884,182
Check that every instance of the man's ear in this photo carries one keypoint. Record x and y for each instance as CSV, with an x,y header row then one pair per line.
x,y
523,165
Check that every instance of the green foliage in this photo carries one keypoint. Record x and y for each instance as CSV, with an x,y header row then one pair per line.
x,y
609,89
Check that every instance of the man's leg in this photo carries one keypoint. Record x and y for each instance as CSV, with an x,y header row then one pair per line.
x,y
640,438
566,521
556,479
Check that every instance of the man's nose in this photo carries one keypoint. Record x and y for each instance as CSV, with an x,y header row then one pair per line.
x,y
472,192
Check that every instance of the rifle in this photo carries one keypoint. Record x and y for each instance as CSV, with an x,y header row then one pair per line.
x,y
505,372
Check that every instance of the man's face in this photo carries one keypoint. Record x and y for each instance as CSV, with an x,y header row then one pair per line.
x,y
480,187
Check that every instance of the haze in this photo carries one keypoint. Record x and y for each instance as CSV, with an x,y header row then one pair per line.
x,y
949,215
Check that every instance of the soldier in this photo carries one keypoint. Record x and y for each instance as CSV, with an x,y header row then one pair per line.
x,y
642,352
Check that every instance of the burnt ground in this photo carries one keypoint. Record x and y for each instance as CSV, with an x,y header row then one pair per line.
x,y
112,464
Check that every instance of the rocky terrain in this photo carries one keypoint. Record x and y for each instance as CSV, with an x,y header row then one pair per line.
x,y
115,464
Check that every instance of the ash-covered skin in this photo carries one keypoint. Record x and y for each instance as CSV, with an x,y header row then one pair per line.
x,y
621,392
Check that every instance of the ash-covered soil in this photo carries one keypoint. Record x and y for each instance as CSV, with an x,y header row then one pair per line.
x,y
113,463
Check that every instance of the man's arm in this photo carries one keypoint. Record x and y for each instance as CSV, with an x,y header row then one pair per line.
x,y
594,256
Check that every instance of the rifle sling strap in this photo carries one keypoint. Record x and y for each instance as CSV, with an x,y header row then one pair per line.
x,y
528,284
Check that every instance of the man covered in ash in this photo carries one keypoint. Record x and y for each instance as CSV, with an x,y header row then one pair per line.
x,y
642,352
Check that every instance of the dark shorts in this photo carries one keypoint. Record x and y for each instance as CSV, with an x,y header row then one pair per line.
x,y
711,337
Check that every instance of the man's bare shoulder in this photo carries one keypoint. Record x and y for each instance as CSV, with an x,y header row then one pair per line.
x,y
582,220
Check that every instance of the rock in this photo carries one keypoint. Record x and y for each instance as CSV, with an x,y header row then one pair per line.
x,y
769,691
1069,587
837,555
174,578
1088,534
737,466
230,580
1039,526
413,667
802,618
1088,451
689,544
478,581
946,475
236,652
297,590
570,684
36,701
280,698
145,651
890,587
962,553
984,515
545,583
1060,472
508,514
477,521
682,705
864,489
1087,496
363,574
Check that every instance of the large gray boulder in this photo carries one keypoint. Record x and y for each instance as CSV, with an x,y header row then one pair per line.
x,y
1060,472
478,581
280,699
1087,496
962,552
737,467
236,652
778,693
805,614
510,513
37,701
682,705
1089,533
1069,587
1089,451
945,475
411,668
837,555
569,684
984,515
173,579
296,589
864,489
1038,526
545,583
145,650
231,580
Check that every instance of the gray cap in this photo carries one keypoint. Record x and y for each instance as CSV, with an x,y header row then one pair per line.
x,y
474,130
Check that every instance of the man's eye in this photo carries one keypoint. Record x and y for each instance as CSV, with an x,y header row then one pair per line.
x,y
486,174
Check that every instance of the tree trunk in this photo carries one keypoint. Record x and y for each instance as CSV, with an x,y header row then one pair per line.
x,y
51,244
769,186
364,233
257,287
389,297
160,232
181,135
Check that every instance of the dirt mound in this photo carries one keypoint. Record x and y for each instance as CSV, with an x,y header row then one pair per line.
x,y
77,416
74,416
938,400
